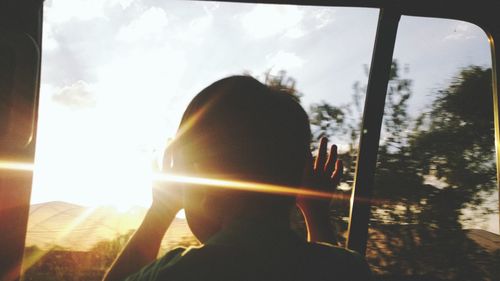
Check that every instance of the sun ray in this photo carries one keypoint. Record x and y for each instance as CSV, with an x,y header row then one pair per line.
x,y
192,120
223,184
16,166
242,185
29,261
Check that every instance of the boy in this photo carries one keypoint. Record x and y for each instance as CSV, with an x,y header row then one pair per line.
x,y
240,130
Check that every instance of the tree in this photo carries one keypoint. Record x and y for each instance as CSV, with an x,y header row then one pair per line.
x,y
106,251
462,119
282,82
430,168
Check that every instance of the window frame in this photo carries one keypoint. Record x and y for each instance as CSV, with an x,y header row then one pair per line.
x,y
480,13
26,17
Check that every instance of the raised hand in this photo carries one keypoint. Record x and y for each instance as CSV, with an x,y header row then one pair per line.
x,y
167,196
143,246
324,175
327,171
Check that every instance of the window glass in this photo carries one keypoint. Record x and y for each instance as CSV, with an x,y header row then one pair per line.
x,y
435,211
116,77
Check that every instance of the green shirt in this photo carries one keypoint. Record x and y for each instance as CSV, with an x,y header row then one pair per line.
x,y
257,250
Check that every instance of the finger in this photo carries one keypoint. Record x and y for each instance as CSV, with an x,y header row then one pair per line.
x,y
338,173
332,159
321,158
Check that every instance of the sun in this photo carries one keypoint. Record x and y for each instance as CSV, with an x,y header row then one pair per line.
x,y
100,178
97,155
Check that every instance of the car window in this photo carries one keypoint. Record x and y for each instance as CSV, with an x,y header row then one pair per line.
x,y
435,207
116,77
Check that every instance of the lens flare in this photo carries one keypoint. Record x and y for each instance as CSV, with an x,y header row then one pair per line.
x,y
31,260
220,183
243,186
192,182
16,166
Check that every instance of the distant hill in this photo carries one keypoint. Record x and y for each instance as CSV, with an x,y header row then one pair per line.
x,y
77,227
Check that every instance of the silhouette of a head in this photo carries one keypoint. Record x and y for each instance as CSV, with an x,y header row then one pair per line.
x,y
240,129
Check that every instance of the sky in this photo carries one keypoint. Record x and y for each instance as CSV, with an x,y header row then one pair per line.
x,y
117,75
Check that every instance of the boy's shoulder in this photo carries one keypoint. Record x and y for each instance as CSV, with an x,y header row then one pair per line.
x,y
151,271
326,259
309,261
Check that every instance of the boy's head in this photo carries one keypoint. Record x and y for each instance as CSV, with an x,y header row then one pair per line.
x,y
239,129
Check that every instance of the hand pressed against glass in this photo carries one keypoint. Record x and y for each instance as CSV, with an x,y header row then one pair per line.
x,y
324,175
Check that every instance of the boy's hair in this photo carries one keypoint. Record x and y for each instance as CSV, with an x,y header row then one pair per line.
x,y
240,129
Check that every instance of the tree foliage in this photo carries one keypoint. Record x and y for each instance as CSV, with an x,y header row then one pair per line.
x,y
282,82
431,167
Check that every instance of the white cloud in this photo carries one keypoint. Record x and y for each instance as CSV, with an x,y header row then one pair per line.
x,y
123,3
324,17
462,31
48,40
210,7
201,24
60,11
197,29
284,60
75,96
144,71
295,32
266,21
150,23
194,29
